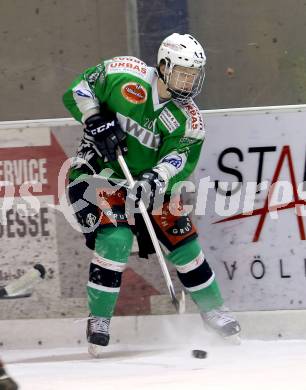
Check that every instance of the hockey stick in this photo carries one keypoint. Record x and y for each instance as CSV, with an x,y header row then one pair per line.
x,y
21,288
180,305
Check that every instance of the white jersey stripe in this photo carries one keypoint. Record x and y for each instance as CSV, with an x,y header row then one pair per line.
x,y
203,285
103,288
193,264
107,263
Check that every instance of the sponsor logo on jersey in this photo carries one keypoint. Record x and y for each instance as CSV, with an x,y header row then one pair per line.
x,y
169,120
134,93
128,66
131,59
99,73
144,136
84,93
196,118
93,77
186,140
174,160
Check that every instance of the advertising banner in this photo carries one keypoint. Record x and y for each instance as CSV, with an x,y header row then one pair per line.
x,y
30,159
36,226
250,205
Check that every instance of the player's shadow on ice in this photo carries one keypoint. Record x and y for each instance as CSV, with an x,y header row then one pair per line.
x,y
86,357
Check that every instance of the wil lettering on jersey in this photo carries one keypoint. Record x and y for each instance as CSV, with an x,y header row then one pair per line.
x,y
144,136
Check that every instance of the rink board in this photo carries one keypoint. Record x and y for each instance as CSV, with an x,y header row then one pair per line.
x,y
259,259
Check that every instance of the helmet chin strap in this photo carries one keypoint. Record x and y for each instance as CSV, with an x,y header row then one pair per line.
x,y
161,76
167,65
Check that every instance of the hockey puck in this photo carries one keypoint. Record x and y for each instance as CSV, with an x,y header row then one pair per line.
x,y
199,353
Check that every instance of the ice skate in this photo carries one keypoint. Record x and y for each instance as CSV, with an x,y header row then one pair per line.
x,y
222,322
97,335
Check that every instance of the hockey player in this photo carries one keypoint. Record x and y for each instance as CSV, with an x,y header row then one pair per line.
x,y
149,113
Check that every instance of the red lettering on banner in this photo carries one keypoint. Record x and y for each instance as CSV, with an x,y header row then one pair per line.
x,y
32,163
297,203
19,171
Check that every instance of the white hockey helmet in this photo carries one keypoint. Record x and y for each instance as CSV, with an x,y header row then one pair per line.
x,y
182,50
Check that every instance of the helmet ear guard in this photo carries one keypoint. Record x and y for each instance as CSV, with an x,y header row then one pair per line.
x,y
167,70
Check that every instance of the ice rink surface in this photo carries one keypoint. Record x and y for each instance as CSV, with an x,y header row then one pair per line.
x,y
250,365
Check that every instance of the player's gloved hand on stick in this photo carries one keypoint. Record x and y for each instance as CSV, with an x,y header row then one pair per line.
x,y
149,188
104,131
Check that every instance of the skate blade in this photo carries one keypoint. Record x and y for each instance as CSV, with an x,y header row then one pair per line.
x,y
234,339
182,307
96,351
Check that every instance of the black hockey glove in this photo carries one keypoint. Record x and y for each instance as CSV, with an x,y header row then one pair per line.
x,y
104,131
150,188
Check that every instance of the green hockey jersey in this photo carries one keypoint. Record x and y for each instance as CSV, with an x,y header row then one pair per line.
x,y
166,136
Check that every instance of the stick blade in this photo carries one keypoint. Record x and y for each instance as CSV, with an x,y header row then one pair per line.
x,y
179,304
182,307
22,287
